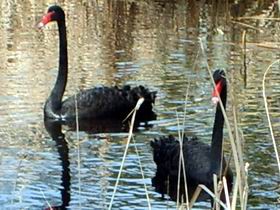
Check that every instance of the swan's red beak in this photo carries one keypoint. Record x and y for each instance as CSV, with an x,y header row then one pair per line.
x,y
216,92
45,20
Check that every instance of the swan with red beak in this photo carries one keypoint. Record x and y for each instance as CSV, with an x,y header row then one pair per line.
x,y
201,160
97,103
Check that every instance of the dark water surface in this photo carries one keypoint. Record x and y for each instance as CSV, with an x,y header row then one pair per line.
x,y
153,43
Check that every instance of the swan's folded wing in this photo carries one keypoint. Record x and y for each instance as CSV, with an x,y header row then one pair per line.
x,y
107,102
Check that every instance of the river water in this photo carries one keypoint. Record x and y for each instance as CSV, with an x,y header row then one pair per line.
x,y
156,43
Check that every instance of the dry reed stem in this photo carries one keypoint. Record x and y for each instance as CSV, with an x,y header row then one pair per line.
x,y
242,179
237,137
216,199
139,102
258,18
215,190
190,203
181,158
268,45
181,164
16,179
235,193
195,196
185,107
247,26
130,113
49,205
142,174
244,56
267,114
246,187
78,149
226,192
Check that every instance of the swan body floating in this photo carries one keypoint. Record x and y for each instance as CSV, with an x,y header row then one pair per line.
x,y
95,103
201,160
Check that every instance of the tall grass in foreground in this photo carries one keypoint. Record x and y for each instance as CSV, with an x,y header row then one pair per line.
x,y
240,187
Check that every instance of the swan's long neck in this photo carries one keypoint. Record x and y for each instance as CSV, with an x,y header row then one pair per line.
x,y
217,134
53,103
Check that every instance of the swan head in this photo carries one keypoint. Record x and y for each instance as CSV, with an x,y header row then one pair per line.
x,y
55,13
219,77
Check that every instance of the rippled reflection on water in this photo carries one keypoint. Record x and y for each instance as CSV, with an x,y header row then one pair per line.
x,y
154,43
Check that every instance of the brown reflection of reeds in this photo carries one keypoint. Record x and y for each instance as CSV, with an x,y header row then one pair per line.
x,y
19,54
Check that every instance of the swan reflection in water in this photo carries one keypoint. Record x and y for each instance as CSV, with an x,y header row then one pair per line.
x,y
54,129
94,126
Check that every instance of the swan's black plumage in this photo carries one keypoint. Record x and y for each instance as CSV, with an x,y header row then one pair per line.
x,y
201,160
104,102
99,102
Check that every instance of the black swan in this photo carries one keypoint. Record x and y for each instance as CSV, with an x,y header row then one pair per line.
x,y
97,103
201,160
